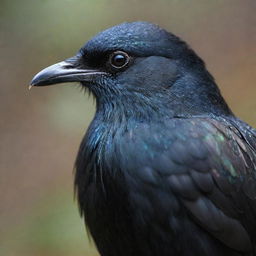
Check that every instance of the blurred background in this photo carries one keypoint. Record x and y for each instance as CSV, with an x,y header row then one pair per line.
x,y
41,129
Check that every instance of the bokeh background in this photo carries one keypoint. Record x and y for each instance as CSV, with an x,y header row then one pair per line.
x,y
41,129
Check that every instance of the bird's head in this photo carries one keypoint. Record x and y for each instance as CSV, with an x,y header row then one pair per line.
x,y
141,64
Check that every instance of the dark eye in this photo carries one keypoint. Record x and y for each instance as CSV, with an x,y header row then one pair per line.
x,y
119,59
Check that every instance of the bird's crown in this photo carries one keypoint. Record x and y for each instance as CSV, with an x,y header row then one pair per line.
x,y
139,38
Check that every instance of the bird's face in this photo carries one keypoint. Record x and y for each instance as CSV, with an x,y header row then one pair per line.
x,y
136,57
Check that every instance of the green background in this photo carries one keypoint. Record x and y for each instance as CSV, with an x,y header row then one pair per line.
x,y
42,128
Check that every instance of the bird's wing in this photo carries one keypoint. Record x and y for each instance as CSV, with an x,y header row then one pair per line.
x,y
219,189
211,168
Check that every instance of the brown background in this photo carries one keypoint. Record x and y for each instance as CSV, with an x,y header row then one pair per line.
x,y
42,128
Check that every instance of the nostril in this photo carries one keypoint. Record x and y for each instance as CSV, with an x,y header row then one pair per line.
x,y
68,66
70,62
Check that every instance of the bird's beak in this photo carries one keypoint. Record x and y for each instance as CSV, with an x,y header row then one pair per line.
x,y
63,72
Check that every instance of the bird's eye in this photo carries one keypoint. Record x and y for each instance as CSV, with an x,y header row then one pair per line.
x,y
119,59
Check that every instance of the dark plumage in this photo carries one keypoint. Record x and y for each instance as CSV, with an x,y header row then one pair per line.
x,y
165,168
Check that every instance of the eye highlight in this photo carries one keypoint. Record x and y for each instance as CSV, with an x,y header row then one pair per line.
x,y
119,59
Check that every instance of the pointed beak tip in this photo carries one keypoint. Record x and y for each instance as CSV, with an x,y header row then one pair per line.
x,y
39,78
34,81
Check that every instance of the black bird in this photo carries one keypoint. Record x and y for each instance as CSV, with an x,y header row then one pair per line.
x,y
165,167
